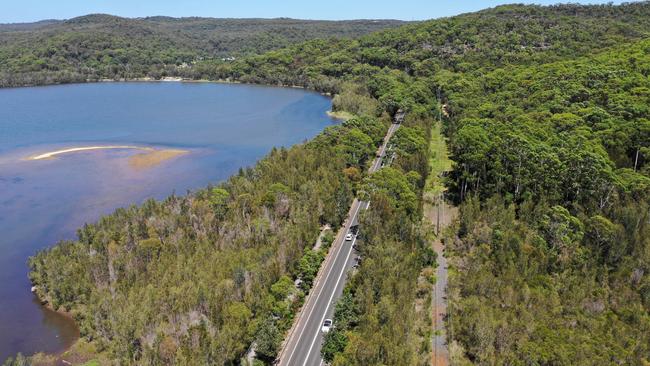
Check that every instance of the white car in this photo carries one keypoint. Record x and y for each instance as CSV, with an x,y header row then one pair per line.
x,y
348,237
327,326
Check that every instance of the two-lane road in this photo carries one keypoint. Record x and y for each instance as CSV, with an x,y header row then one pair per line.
x,y
303,346
382,150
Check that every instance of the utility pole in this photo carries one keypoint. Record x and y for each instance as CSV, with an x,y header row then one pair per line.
x,y
438,215
439,105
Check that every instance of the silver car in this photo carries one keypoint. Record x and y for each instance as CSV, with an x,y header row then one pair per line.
x,y
327,326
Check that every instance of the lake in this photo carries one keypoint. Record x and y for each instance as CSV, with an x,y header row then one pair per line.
x,y
167,137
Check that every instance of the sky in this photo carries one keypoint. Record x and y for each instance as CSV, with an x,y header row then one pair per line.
x,y
16,11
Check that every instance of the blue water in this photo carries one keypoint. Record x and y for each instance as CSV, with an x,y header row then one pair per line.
x,y
223,127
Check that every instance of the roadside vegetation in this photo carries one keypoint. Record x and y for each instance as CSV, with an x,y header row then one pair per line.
x,y
439,162
546,115
376,321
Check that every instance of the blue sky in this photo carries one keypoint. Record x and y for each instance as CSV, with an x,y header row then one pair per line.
x,y
12,11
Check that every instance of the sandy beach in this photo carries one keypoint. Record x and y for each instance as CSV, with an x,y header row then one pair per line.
x,y
149,158
52,154
152,158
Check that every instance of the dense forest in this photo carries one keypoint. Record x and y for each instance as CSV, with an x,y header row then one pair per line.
x,y
546,111
98,46
553,246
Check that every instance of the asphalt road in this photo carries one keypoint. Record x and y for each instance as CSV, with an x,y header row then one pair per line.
x,y
303,346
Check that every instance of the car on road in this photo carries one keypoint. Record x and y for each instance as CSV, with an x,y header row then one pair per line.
x,y
327,326
349,237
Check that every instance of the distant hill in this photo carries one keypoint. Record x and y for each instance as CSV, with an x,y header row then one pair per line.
x,y
211,29
12,27
38,52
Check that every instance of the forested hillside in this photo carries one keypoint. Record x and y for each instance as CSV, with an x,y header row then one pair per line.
x,y
546,111
553,247
101,46
470,43
551,255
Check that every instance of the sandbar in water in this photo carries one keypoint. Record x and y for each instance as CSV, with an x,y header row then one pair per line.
x,y
52,154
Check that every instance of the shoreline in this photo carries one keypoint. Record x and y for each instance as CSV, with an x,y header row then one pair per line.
x,y
170,79
149,157
47,305
340,115
167,79
77,352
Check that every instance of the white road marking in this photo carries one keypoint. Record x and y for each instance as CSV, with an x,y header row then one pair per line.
x,y
322,287
329,302
373,168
